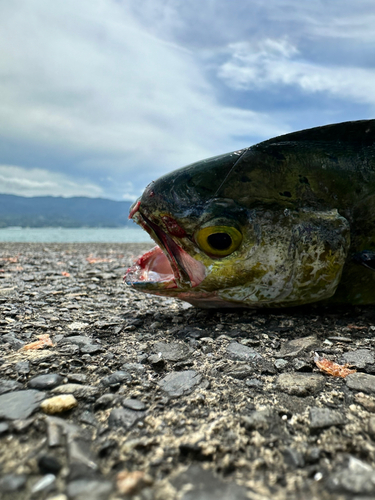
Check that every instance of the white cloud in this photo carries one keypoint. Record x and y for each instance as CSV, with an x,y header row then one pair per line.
x,y
40,182
277,62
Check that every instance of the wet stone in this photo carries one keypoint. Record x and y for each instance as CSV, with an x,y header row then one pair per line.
x,y
300,384
124,417
361,382
20,405
172,351
321,418
176,384
359,358
242,353
116,379
46,382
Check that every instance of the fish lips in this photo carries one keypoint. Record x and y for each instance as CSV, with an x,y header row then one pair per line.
x,y
167,266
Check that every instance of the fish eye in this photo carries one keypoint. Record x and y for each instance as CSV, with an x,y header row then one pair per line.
x,y
218,241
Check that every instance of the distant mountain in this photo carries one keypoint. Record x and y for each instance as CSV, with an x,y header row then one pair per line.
x,y
50,211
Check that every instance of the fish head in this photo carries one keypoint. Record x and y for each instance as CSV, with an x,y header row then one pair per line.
x,y
215,252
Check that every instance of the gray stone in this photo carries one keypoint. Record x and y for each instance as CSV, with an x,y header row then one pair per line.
x,y
176,384
9,385
293,458
357,478
22,367
116,379
4,427
294,347
12,482
321,418
206,486
12,341
79,340
91,349
124,417
361,382
48,381
254,383
240,371
105,401
281,363
173,351
133,404
259,420
359,358
83,489
20,404
242,353
300,384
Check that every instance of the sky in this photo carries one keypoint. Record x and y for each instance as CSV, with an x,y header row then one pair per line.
x,y
100,97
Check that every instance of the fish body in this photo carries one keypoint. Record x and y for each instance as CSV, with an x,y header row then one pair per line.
x,y
285,222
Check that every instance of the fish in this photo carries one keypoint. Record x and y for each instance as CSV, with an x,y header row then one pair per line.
x,y
286,222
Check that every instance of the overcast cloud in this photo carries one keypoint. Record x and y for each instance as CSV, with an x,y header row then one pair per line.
x,y
99,97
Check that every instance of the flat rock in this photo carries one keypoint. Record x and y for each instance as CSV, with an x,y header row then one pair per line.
x,y
134,404
79,340
172,351
321,418
116,379
176,384
20,404
300,384
48,381
79,390
359,358
124,417
361,382
296,346
241,352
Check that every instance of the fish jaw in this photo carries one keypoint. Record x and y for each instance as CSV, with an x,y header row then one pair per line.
x,y
165,268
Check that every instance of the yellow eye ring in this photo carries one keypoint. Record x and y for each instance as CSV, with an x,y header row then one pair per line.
x,y
218,241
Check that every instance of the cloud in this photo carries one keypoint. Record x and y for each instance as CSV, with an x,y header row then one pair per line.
x,y
40,182
278,62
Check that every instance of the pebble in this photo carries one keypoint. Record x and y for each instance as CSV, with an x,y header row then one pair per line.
x,y
10,339
172,351
133,404
12,482
9,385
20,405
295,347
124,417
59,404
80,391
242,353
176,384
48,464
321,418
259,420
356,478
46,382
22,367
300,384
116,379
361,382
359,358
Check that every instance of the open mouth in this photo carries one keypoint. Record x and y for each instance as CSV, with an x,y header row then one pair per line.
x,y
166,266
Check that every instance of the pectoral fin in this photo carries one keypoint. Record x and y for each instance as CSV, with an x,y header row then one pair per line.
x,y
365,258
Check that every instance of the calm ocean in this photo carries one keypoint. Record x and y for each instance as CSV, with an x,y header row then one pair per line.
x,y
74,235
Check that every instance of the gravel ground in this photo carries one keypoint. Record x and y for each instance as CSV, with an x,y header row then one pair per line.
x,y
147,398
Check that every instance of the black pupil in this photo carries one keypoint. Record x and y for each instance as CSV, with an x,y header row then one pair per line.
x,y
219,241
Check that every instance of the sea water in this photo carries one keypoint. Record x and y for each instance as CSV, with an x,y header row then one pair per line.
x,y
73,235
